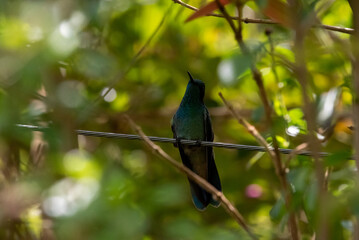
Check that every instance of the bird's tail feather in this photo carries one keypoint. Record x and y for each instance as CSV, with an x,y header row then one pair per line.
x,y
213,177
200,196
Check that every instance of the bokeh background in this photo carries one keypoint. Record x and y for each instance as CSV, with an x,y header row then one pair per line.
x,y
57,58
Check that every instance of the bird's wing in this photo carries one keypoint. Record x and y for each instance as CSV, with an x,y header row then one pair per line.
x,y
213,176
209,136
174,132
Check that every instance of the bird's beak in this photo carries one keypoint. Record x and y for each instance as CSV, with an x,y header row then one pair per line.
x,y
190,77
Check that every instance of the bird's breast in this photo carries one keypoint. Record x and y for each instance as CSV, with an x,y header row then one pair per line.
x,y
189,124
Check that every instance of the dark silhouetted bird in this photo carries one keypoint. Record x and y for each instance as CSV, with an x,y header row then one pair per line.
x,y
192,121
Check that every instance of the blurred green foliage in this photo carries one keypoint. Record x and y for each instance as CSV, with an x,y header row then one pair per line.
x,y
58,57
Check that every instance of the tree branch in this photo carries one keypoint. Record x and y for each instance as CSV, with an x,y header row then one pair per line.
x,y
278,168
354,4
355,72
302,75
275,155
226,204
268,21
257,76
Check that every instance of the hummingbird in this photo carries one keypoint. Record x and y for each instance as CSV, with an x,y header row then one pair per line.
x,y
192,122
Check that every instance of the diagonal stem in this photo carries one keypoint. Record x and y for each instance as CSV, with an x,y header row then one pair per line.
x,y
226,204
275,155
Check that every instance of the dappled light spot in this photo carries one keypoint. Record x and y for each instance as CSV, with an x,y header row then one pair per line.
x,y
35,33
122,102
292,131
34,219
110,96
80,164
13,33
327,104
56,206
69,28
67,196
320,136
75,160
64,39
61,45
226,72
66,30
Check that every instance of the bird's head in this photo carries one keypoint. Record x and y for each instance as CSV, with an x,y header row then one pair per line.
x,y
195,88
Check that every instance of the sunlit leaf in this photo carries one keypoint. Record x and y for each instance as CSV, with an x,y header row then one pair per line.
x,y
13,33
297,118
282,142
121,102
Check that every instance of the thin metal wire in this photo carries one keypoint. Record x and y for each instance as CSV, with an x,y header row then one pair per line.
x,y
172,140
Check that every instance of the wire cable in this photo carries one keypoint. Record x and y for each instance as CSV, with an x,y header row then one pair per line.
x,y
173,140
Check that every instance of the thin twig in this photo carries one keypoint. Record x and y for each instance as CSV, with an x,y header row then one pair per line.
x,y
268,21
296,151
257,76
275,73
253,131
335,28
250,128
227,205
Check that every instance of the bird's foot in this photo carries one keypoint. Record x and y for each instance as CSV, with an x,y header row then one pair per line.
x,y
177,143
198,143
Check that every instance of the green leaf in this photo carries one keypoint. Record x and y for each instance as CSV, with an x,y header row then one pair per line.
x,y
296,116
230,69
337,158
278,210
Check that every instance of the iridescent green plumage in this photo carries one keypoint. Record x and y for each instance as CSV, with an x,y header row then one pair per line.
x,y
192,121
